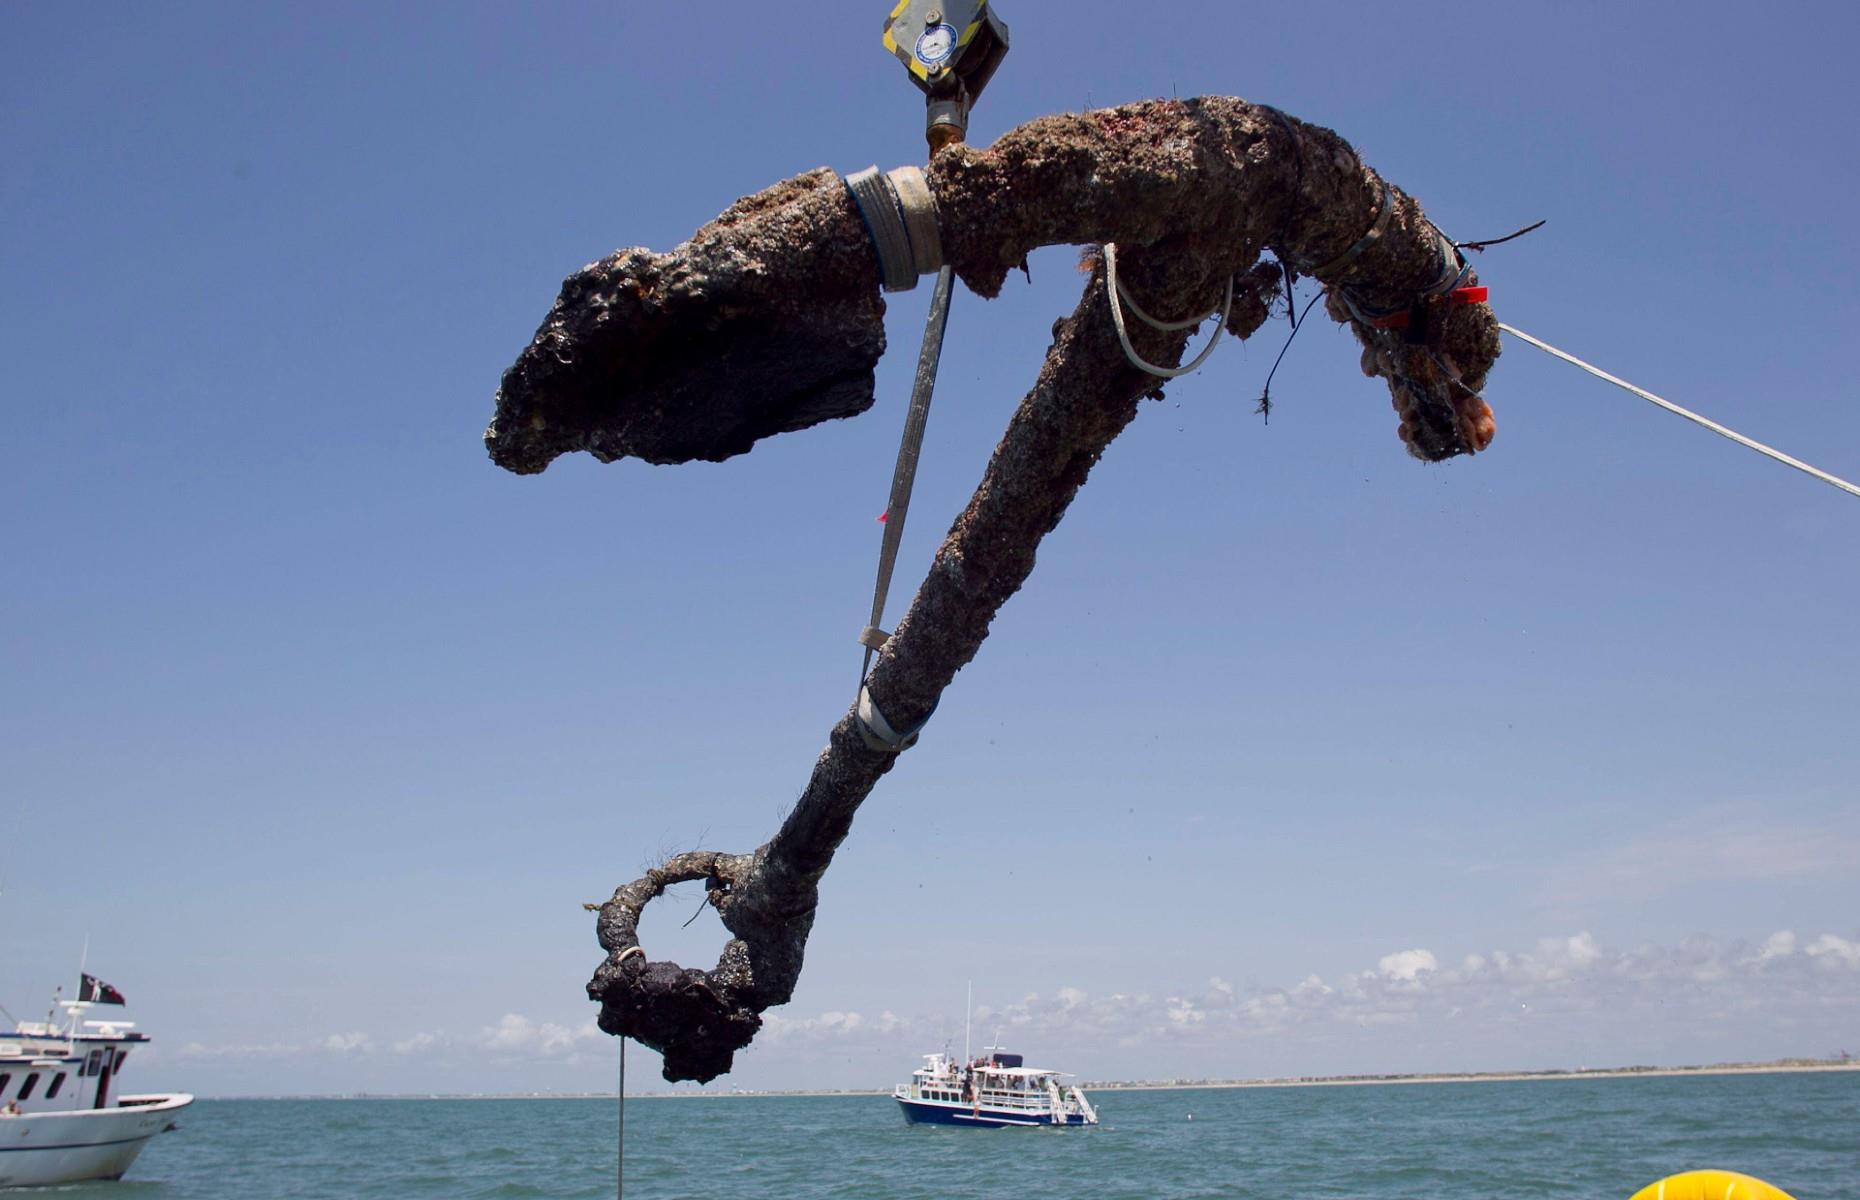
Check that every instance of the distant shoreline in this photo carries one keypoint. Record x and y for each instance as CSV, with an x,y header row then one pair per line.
x,y
1776,1068
1787,1066
1779,1067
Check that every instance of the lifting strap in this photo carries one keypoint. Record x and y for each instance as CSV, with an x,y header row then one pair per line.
x,y
904,475
873,727
900,215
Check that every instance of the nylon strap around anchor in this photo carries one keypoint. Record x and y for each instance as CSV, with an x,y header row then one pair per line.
x,y
900,216
877,732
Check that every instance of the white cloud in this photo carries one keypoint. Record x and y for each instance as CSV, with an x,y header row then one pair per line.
x,y
348,1043
1184,1012
777,1024
1311,986
1553,959
1578,951
419,1043
1563,1000
1407,964
1835,951
200,1050
1570,985
517,1034
1780,944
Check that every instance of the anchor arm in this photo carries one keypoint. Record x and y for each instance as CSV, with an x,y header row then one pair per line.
x,y
770,320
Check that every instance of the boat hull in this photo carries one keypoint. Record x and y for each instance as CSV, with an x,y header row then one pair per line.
x,y
65,1147
920,1112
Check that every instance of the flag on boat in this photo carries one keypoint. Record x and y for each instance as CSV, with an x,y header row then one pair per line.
x,y
97,991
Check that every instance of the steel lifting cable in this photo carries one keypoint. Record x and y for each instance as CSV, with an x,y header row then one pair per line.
x,y
1688,414
620,1176
620,1092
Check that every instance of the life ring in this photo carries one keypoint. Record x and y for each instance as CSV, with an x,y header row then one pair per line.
x,y
1711,1185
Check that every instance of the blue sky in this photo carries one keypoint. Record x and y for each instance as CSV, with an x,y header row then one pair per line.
x,y
321,728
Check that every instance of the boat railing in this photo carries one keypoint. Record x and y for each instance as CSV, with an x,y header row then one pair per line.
x,y
1012,1098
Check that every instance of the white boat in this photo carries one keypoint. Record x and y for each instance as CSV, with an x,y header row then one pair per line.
x,y
994,1090
59,1119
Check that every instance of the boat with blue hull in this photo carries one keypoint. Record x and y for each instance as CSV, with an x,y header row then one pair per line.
x,y
994,1091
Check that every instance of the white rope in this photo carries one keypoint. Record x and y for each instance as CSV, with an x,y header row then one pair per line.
x,y
1689,415
1130,302
1116,292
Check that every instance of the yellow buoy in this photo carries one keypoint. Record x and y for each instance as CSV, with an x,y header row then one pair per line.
x,y
1711,1185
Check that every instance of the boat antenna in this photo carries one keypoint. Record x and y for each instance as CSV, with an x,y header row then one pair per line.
x,y
6,851
967,1008
6,867
72,1009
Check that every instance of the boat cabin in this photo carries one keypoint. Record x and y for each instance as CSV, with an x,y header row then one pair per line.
x,y
47,1069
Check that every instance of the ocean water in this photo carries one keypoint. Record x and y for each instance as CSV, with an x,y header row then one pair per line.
x,y
1557,1138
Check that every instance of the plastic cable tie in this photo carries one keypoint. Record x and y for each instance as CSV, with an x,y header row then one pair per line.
x,y
1370,316
1453,265
1465,295
629,952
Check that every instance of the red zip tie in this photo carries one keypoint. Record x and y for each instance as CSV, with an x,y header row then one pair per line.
x,y
1465,295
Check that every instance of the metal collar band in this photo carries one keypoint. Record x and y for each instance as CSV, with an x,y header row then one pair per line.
x,y
1376,230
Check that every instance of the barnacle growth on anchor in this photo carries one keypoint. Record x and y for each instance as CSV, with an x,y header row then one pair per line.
x,y
770,320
